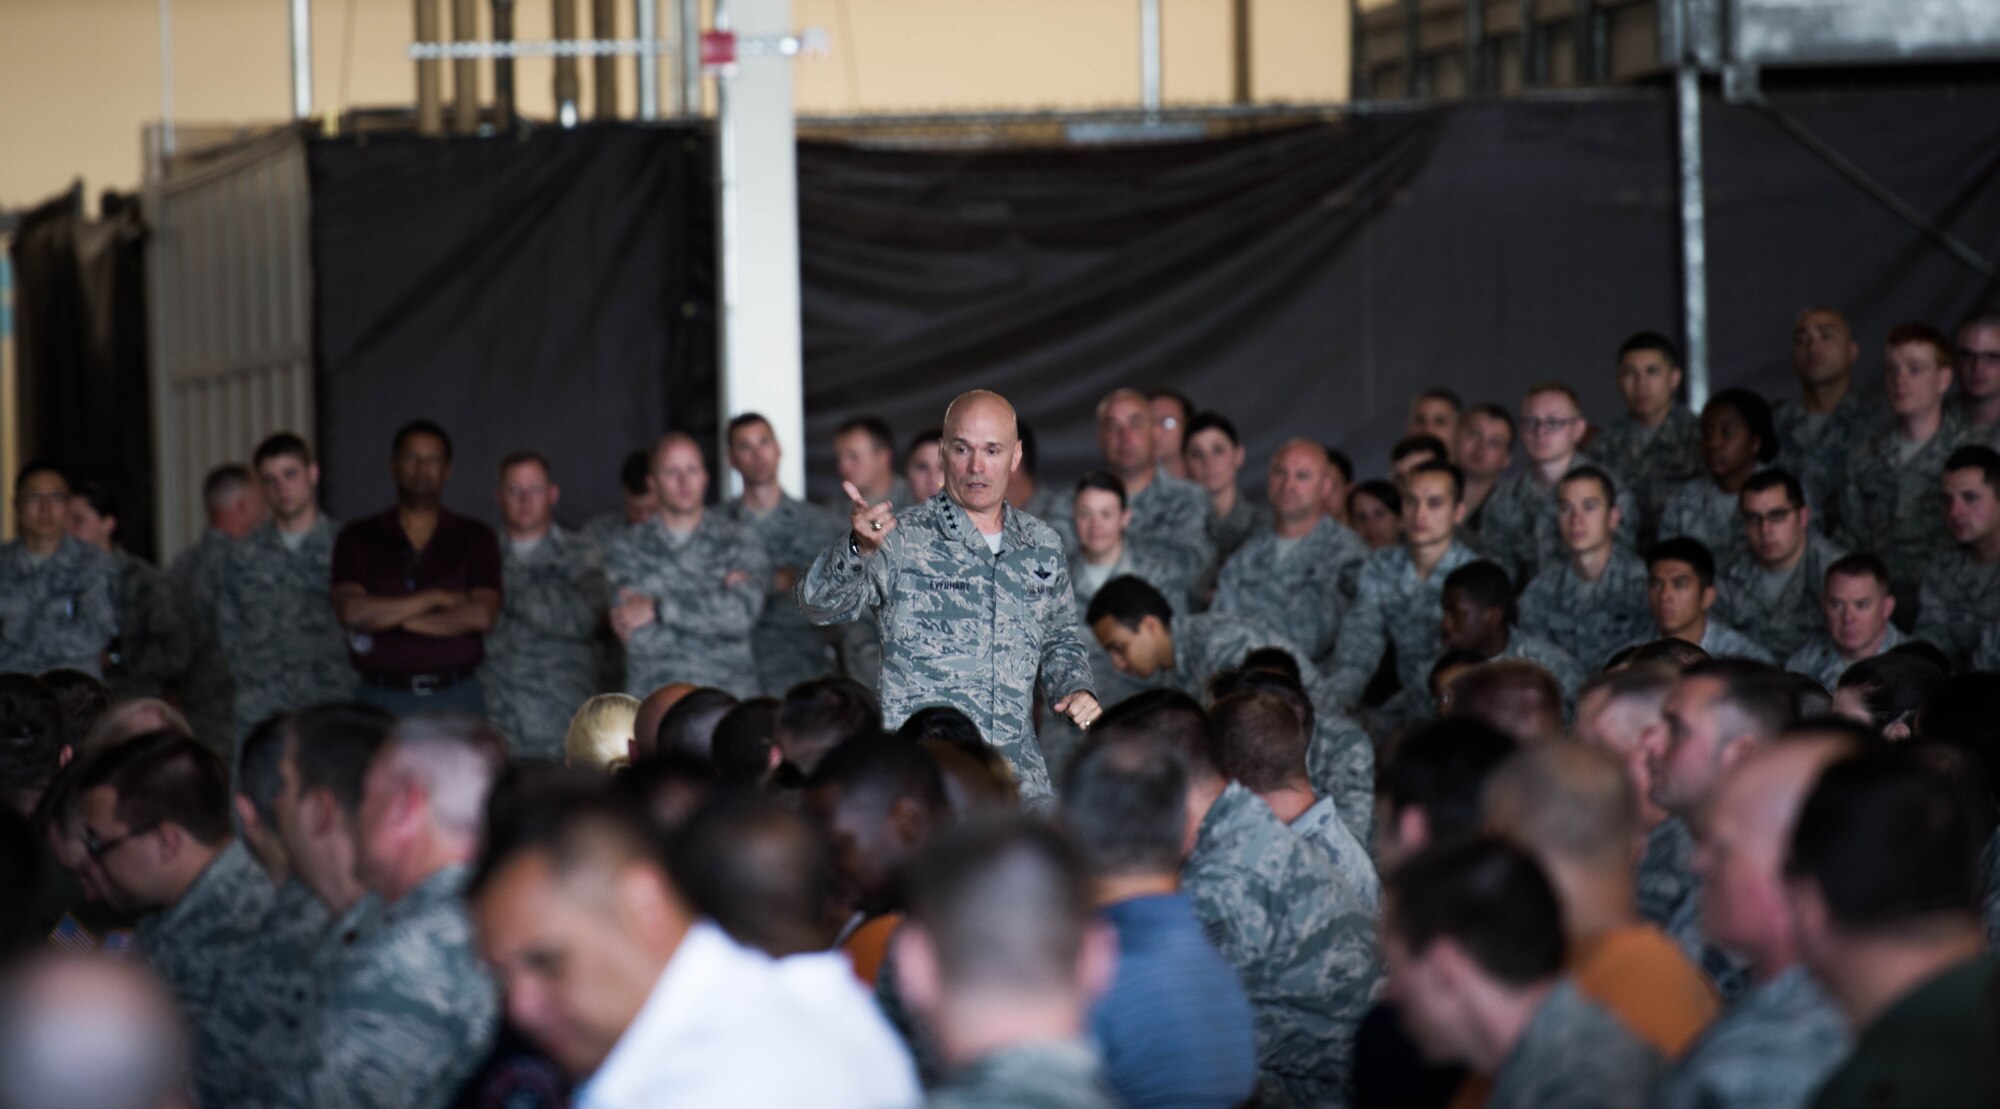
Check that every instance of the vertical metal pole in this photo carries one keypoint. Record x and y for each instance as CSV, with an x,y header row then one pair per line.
x,y
1413,83
757,182
604,73
430,71
1694,233
1240,74
1358,85
1475,48
465,71
167,78
687,87
302,59
646,25
1584,37
569,91
503,68
1149,55
1534,70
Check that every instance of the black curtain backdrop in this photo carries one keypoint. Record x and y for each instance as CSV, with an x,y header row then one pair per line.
x,y
80,319
553,293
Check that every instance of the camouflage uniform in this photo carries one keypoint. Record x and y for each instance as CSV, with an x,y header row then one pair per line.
x,y
264,994
788,649
1896,509
1303,943
155,640
1987,656
1392,604
207,692
1788,619
1817,451
1589,619
539,667
1171,570
1703,510
1959,598
860,639
406,1012
274,614
58,611
1294,586
1655,459
1666,873
1722,641
1820,660
196,948
1729,974
1340,763
1574,1055
1042,1075
1771,1050
1169,511
701,628
1518,526
1230,532
1323,826
1989,902
1568,672
960,625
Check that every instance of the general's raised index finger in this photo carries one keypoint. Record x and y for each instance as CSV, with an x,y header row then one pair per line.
x,y
853,494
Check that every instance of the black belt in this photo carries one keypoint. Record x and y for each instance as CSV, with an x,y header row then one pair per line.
x,y
423,685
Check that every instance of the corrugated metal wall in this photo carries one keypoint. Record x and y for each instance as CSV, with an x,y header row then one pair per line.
x,y
230,286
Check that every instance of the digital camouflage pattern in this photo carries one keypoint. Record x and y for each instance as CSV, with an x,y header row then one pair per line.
x,y
1771,1050
789,650
1704,511
960,625
1820,660
1045,1075
270,984
1574,1055
1654,460
206,689
1518,525
155,638
1722,641
1392,604
274,616
1590,620
1230,532
1895,509
1785,620
1958,599
708,590
1816,450
1666,870
539,665
1322,826
1300,589
1569,673
59,611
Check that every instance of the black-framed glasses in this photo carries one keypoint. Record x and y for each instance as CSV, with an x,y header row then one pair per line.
x,y
1770,519
98,848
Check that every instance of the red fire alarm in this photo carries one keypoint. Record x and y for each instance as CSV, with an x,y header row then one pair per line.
x,y
718,49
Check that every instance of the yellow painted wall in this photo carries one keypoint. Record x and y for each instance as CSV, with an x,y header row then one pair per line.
x,y
79,78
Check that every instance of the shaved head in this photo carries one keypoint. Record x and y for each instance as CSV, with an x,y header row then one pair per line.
x,y
1746,833
981,450
671,441
652,710
1303,452
1565,801
980,400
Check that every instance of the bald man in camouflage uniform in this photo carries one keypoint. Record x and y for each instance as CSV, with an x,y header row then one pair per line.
x,y
1297,576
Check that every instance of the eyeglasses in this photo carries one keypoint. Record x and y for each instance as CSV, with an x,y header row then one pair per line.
x,y
1769,519
1968,356
1531,424
98,848
1168,423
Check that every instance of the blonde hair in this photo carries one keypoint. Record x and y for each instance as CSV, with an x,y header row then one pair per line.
x,y
600,732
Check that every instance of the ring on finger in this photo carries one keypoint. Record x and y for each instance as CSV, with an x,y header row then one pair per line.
x,y
876,524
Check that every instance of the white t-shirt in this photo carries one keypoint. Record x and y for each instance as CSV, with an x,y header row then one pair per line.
x,y
993,541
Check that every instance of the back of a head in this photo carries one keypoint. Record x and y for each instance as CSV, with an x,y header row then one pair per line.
x,y
1763,698
1964,711
599,734
30,735
580,820
1168,718
163,777
977,780
1126,806
689,727
89,1033
83,699
942,722
1487,896
1892,685
668,790
1676,653
1514,695
1276,660
1565,801
1441,768
759,869
883,770
260,774
1258,740
1128,600
1890,842
1269,681
741,748
817,716
136,716
454,759
1005,903
332,745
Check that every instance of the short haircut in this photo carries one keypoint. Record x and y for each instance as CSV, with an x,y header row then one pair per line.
x,y
1439,392
576,818
455,759
1560,388
741,746
1673,653
31,733
224,484
884,770
1419,444
1646,681
689,726
1681,548
1166,717
1917,331
1129,600
33,468
667,790
1439,465
1337,458
635,472
942,722
1440,768
1485,584
926,436
1456,659
1258,740
599,736
97,495
759,869
1568,800
1126,805
259,767
1596,474
420,427
875,427
1893,684
1496,412
1275,659
163,777
1760,694
1006,903
1390,497
284,444
331,746
1778,478
1104,481
1654,341
1162,392
1277,683
1485,895
1976,457
1496,690
1889,840
522,458
1755,412
1860,564
83,699
742,420
819,715
1211,421
1985,316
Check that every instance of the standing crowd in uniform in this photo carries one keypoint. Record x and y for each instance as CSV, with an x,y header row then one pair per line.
x,y
1569,762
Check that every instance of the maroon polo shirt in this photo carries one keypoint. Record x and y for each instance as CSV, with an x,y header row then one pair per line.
x,y
463,555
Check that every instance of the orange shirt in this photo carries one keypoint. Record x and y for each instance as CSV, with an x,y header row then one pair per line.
x,y
1641,976
869,945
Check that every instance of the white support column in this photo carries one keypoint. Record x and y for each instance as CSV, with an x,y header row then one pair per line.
x,y
762,363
